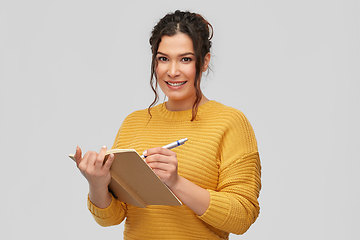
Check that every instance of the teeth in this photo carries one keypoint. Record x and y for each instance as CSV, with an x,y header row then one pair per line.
x,y
176,84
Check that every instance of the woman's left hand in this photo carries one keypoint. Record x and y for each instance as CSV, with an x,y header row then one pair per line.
x,y
164,163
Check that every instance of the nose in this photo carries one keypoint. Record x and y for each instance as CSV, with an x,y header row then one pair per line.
x,y
173,70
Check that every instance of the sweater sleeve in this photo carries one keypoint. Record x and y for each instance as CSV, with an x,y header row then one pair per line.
x,y
234,205
112,215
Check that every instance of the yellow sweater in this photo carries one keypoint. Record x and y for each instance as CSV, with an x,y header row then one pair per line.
x,y
220,155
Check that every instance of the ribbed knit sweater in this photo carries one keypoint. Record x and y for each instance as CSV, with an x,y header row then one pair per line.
x,y
220,155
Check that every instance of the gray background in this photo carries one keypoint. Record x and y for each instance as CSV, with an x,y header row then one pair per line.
x,y
71,71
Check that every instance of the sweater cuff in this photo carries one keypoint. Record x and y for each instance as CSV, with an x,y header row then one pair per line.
x,y
103,213
218,209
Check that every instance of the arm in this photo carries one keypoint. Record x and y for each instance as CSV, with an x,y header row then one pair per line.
x,y
234,206
105,209
97,174
164,164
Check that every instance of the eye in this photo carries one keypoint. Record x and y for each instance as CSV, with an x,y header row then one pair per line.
x,y
162,59
186,59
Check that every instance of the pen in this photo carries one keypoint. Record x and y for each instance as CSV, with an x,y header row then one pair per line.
x,y
172,145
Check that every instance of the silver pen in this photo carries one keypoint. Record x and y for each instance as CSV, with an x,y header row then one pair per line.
x,y
172,145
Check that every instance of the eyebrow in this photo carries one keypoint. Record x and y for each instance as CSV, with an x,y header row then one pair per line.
x,y
183,54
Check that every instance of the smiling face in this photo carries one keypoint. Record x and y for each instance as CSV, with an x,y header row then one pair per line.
x,y
176,71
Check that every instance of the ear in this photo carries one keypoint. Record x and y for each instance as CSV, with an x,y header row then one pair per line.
x,y
206,61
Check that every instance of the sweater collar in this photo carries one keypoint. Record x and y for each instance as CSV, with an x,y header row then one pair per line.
x,y
186,115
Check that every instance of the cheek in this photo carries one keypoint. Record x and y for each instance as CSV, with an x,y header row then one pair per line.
x,y
190,71
160,70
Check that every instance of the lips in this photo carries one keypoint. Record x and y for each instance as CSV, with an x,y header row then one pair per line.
x,y
175,84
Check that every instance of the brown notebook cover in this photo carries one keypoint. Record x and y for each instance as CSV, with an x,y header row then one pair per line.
x,y
134,182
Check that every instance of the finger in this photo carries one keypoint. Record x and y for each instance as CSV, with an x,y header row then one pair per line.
x,y
78,154
157,159
158,166
89,158
99,162
159,150
109,161
162,158
164,166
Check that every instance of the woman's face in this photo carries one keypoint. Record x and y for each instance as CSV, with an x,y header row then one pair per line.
x,y
176,71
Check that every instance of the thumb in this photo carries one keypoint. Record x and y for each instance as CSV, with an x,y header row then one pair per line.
x,y
78,155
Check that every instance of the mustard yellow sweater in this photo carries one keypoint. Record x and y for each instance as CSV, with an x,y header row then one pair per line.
x,y
220,155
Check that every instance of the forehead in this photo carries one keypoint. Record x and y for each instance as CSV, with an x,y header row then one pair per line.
x,y
177,44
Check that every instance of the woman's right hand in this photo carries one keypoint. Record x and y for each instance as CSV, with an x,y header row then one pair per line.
x,y
92,168
97,173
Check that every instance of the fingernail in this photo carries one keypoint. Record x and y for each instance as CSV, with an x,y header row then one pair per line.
x,y
144,153
104,146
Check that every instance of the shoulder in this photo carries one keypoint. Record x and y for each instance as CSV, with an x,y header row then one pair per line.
x,y
225,113
233,121
238,132
137,116
138,113
217,106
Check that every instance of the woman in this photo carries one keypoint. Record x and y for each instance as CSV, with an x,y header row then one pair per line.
x,y
216,174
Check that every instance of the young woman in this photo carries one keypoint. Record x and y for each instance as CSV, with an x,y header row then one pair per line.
x,y
216,174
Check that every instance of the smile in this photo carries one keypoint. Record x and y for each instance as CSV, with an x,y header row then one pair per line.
x,y
176,84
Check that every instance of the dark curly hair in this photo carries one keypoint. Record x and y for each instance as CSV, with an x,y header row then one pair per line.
x,y
198,29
